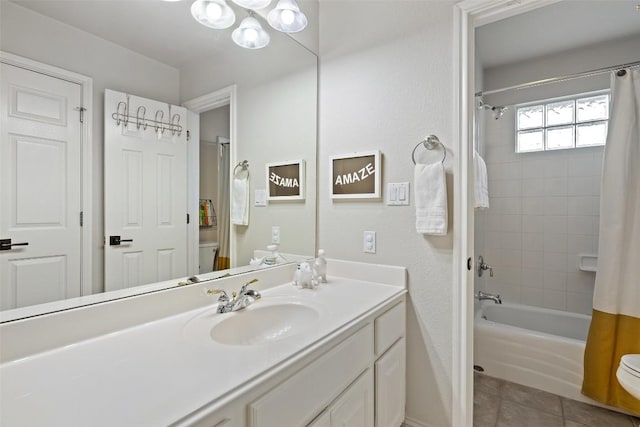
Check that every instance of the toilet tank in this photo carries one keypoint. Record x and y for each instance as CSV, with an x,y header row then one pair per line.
x,y
208,251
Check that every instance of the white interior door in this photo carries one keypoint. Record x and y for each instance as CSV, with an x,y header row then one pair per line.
x,y
40,189
145,194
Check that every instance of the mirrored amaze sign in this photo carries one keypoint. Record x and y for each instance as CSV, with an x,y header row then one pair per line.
x,y
285,181
356,176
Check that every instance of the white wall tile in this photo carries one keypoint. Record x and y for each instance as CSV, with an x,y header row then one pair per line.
x,y
555,280
533,205
579,205
511,171
531,296
555,167
533,169
581,165
511,205
578,302
580,225
533,278
555,186
555,206
533,224
578,243
512,241
580,186
495,188
532,260
512,188
555,224
555,262
533,187
555,243
512,223
554,299
580,281
507,258
532,242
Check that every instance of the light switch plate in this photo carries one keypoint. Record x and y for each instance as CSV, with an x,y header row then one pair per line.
x,y
398,193
369,242
260,198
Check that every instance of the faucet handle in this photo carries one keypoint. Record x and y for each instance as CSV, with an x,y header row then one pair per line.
x,y
243,289
210,292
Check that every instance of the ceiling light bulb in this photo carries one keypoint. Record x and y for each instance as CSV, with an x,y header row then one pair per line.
x,y
287,17
250,34
252,4
213,11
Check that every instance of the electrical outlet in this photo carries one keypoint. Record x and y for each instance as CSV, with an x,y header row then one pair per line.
x,y
369,242
275,234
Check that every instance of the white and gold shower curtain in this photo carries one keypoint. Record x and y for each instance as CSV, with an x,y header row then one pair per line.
x,y
224,261
615,327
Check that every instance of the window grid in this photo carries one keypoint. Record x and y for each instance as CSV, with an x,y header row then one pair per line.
x,y
574,125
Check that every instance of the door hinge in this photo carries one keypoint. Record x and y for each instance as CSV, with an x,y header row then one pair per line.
x,y
82,110
188,218
188,136
81,219
469,263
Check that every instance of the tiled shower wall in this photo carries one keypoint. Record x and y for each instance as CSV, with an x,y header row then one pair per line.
x,y
544,213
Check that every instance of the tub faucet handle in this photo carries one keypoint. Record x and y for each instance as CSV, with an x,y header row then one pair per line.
x,y
483,266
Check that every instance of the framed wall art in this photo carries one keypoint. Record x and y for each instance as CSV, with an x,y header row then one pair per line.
x,y
286,180
356,175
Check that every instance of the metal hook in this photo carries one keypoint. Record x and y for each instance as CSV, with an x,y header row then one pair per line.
x,y
138,123
159,128
175,127
119,114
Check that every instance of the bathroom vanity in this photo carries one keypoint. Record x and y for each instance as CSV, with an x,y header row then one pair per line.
x,y
334,355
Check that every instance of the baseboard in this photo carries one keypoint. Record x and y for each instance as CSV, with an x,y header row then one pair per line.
x,y
412,422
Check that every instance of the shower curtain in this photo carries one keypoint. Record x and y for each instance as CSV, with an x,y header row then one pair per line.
x,y
615,327
223,208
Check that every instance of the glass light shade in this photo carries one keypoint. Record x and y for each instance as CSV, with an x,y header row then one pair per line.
x,y
286,17
252,4
250,34
213,13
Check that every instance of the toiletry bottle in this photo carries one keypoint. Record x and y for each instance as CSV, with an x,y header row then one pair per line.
x,y
320,267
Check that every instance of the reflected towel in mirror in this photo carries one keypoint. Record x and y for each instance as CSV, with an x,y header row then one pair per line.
x,y
240,201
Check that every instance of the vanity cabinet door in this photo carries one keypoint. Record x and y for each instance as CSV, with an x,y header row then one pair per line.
x,y
355,407
323,420
390,386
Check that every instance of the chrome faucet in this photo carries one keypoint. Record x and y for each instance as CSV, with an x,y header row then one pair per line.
x,y
238,301
483,266
484,295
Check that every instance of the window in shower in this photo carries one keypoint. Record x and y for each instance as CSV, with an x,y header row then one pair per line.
x,y
573,122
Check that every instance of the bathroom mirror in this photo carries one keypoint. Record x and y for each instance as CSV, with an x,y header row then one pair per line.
x,y
157,50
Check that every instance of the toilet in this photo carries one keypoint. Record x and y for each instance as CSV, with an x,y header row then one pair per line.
x,y
208,251
628,374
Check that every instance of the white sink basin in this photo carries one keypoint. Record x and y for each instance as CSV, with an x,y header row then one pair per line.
x,y
263,324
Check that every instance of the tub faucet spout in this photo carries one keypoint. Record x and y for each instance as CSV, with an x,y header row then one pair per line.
x,y
487,296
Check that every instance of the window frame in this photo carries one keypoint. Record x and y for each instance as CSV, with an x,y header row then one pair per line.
x,y
573,125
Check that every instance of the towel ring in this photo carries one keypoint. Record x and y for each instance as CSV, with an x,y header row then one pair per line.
x,y
244,165
430,142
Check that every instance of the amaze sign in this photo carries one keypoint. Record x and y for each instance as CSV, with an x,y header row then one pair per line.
x,y
285,181
356,176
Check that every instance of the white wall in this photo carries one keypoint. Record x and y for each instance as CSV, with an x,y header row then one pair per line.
x,y
385,82
544,206
34,36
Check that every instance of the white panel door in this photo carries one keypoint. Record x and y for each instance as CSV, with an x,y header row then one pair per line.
x,y
40,189
145,199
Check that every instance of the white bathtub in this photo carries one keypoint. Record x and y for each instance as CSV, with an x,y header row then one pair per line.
x,y
534,346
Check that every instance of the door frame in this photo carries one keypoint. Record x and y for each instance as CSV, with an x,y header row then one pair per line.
x,y
201,104
86,161
468,14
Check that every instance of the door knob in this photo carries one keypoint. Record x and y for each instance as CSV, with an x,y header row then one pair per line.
x,y
116,240
6,245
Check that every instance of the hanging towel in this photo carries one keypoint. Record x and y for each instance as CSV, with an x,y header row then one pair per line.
x,y
431,199
240,201
480,183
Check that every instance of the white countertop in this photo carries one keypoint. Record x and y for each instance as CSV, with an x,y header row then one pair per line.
x,y
156,373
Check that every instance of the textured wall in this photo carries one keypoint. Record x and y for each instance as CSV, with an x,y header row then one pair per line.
x,y
385,82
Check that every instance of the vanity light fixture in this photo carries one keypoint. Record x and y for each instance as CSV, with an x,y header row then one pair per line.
x,y
213,13
286,17
250,34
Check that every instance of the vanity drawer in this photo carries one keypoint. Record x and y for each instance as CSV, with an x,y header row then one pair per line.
x,y
389,327
300,398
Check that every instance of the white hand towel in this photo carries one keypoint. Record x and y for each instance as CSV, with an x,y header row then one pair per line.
x,y
480,183
240,201
431,199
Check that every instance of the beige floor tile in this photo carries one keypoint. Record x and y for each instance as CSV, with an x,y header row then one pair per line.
x,y
486,384
534,398
485,409
512,414
593,416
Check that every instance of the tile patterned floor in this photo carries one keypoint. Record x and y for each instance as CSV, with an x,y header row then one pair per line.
x,y
499,403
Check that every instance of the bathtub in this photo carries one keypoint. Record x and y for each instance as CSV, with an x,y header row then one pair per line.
x,y
533,346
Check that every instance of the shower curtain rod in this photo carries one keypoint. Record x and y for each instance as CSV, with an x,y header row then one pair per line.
x,y
559,79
